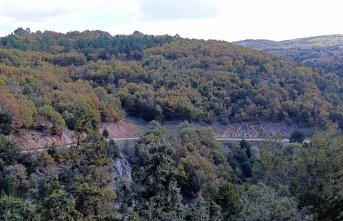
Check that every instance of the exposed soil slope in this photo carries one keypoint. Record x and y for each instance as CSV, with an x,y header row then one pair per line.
x,y
29,139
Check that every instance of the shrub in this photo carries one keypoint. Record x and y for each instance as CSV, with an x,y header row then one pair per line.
x,y
297,136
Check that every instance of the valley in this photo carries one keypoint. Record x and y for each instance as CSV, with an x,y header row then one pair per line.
x,y
104,127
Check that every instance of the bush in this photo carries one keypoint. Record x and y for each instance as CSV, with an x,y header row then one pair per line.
x,y
113,149
105,133
297,136
5,124
9,152
227,198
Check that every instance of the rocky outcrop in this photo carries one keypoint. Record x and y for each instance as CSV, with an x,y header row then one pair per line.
x,y
260,130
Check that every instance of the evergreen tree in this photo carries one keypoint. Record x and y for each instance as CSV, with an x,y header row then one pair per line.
x,y
155,176
200,210
16,209
59,207
5,124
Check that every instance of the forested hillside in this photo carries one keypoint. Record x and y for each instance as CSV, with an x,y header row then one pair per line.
x,y
324,53
50,81
186,175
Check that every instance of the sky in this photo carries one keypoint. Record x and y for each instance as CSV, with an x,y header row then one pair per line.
x,y
229,20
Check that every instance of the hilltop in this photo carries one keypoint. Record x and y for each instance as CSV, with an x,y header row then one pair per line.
x,y
324,53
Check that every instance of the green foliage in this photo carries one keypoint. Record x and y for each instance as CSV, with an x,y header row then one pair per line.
x,y
321,164
240,159
155,176
200,210
15,180
227,197
5,124
16,209
158,113
111,109
113,149
49,81
260,202
277,164
9,152
91,180
245,144
53,116
297,136
218,158
90,44
201,162
310,172
105,133
156,78
58,206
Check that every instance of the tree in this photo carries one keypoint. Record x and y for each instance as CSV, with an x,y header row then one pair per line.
x,y
54,117
111,109
105,133
227,198
244,144
16,209
200,210
9,152
20,31
312,174
28,112
297,136
260,202
59,207
277,164
317,178
5,124
158,113
155,176
113,149
14,181
91,181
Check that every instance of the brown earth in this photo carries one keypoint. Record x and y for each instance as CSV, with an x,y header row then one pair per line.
x,y
31,139
122,129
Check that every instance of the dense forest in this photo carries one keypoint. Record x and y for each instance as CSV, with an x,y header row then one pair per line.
x,y
175,176
52,81
76,80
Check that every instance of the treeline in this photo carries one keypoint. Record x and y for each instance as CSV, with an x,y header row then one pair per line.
x,y
184,175
93,45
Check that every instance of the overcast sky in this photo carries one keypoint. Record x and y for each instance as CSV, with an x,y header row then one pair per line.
x,y
229,20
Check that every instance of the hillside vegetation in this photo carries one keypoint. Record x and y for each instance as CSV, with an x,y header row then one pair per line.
x,y
50,81
324,53
181,176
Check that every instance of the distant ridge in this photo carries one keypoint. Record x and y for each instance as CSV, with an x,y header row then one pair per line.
x,y
324,53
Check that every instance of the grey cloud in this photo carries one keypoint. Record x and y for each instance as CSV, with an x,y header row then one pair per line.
x,y
38,10
34,15
178,9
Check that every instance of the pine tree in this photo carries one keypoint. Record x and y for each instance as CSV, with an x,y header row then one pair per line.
x,y
155,176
